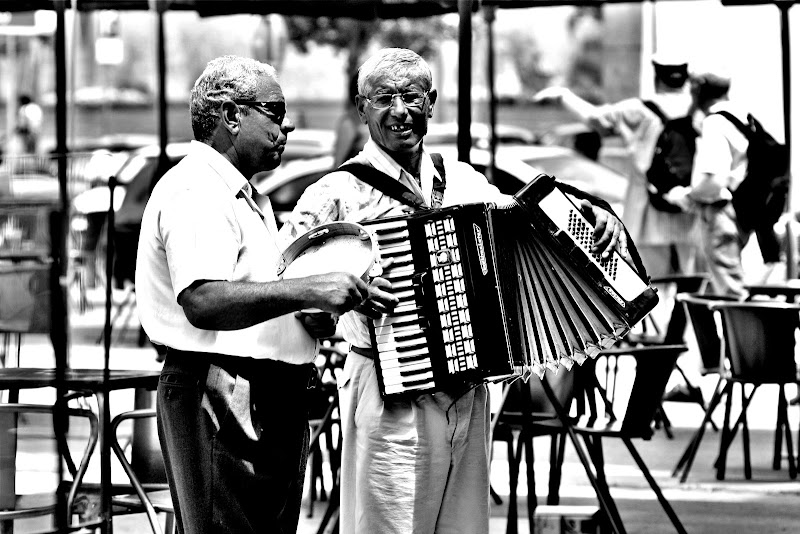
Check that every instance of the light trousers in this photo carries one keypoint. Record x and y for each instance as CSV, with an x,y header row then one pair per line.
x,y
414,466
723,242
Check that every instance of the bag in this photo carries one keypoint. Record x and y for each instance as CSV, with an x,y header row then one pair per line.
x,y
761,198
672,158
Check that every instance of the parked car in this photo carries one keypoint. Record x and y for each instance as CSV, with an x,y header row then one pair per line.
x,y
515,166
506,134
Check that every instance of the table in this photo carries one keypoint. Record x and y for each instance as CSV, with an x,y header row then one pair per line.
x,y
96,382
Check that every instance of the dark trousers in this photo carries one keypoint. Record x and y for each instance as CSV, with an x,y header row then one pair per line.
x,y
234,435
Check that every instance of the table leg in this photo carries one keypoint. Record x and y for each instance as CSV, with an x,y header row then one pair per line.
x,y
104,423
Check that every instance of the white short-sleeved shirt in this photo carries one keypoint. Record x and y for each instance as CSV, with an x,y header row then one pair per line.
x,y
201,223
720,161
340,196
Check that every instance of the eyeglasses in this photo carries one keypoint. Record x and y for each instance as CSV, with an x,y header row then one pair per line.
x,y
276,110
384,101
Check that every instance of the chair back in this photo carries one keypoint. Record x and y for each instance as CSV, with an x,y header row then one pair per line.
x,y
563,385
146,458
653,369
689,283
701,316
760,340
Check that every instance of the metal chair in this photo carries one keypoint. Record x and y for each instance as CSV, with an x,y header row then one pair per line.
x,y
760,345
605,420
148,491
13,506
699,309
526,412
652,333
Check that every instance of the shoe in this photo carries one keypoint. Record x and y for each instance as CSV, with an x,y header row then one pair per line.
x,y
683,393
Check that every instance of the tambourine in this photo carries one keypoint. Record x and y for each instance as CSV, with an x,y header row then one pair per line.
x,y
333,247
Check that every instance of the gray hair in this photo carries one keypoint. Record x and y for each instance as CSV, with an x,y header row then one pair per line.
x,y
224,78
398,62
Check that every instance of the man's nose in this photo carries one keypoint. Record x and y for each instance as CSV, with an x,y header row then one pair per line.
x,y
398,106
287,125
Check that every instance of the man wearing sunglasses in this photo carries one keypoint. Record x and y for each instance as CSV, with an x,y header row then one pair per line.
x,y
420,465
232,397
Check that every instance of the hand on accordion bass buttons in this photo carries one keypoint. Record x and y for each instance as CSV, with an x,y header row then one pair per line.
x,y
379,300
609,232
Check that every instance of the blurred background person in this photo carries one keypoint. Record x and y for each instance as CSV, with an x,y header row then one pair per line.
x,y
719,167
29,124
351,133
664,239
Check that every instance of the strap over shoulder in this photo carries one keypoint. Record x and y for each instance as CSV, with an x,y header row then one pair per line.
x,y
393,188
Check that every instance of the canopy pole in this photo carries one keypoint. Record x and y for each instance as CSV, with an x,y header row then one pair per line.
x,y
464,138
489,15
791,248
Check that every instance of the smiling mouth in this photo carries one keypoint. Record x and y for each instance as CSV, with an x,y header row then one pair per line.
x,y
399,128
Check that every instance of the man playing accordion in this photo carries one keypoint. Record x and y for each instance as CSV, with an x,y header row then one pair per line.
x,y
419,464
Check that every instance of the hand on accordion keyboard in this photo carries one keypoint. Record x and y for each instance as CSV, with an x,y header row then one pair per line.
x,y
379,301
609,232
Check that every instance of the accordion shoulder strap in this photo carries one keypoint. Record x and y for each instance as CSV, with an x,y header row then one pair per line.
x,y
394,189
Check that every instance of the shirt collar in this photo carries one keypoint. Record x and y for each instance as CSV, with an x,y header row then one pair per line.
x,y
382,161
230,175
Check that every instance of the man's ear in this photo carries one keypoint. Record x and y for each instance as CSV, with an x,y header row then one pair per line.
x,y
230,116
432,94
361,107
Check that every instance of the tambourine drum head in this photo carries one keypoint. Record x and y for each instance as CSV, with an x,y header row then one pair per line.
x,y
335,247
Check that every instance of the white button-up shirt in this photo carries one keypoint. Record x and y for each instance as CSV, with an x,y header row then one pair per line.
x,y
201,223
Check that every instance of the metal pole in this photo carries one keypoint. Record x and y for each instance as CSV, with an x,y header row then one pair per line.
x,y
489,14
59,225
464,138
163,134
791,248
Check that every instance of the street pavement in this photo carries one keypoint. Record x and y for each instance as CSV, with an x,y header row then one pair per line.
x,y
768,503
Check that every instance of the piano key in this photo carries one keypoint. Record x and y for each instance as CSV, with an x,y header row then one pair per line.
x,y
400,389
393,355
402,346
395,363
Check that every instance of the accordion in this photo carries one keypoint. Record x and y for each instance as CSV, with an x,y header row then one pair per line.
x,y
488,293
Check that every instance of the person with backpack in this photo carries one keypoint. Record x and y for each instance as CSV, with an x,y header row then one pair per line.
x,y
663,233
739,183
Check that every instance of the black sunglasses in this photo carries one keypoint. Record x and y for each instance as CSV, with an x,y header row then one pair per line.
x,y
276,109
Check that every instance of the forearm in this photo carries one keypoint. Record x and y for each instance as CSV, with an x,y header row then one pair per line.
x,y
221,305
578,107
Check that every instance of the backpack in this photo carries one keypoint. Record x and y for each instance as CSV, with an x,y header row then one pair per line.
x,y
672,158
761,198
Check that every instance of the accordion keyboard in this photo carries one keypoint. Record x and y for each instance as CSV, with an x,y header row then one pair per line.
x,y
400,337
404,338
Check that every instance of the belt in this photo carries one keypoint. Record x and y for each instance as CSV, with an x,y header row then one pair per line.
x,y
367,352
285,374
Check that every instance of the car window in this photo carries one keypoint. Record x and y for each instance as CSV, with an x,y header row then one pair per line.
x,y
286,196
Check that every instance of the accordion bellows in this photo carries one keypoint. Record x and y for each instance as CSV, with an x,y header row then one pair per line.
x,y
490,293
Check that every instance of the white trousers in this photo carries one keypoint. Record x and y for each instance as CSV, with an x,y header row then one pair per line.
x,y
416,466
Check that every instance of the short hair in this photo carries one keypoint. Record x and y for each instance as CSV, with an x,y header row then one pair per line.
x,y
226,77
400,62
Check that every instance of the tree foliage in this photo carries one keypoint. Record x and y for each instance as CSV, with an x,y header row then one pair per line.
x,y
356,36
